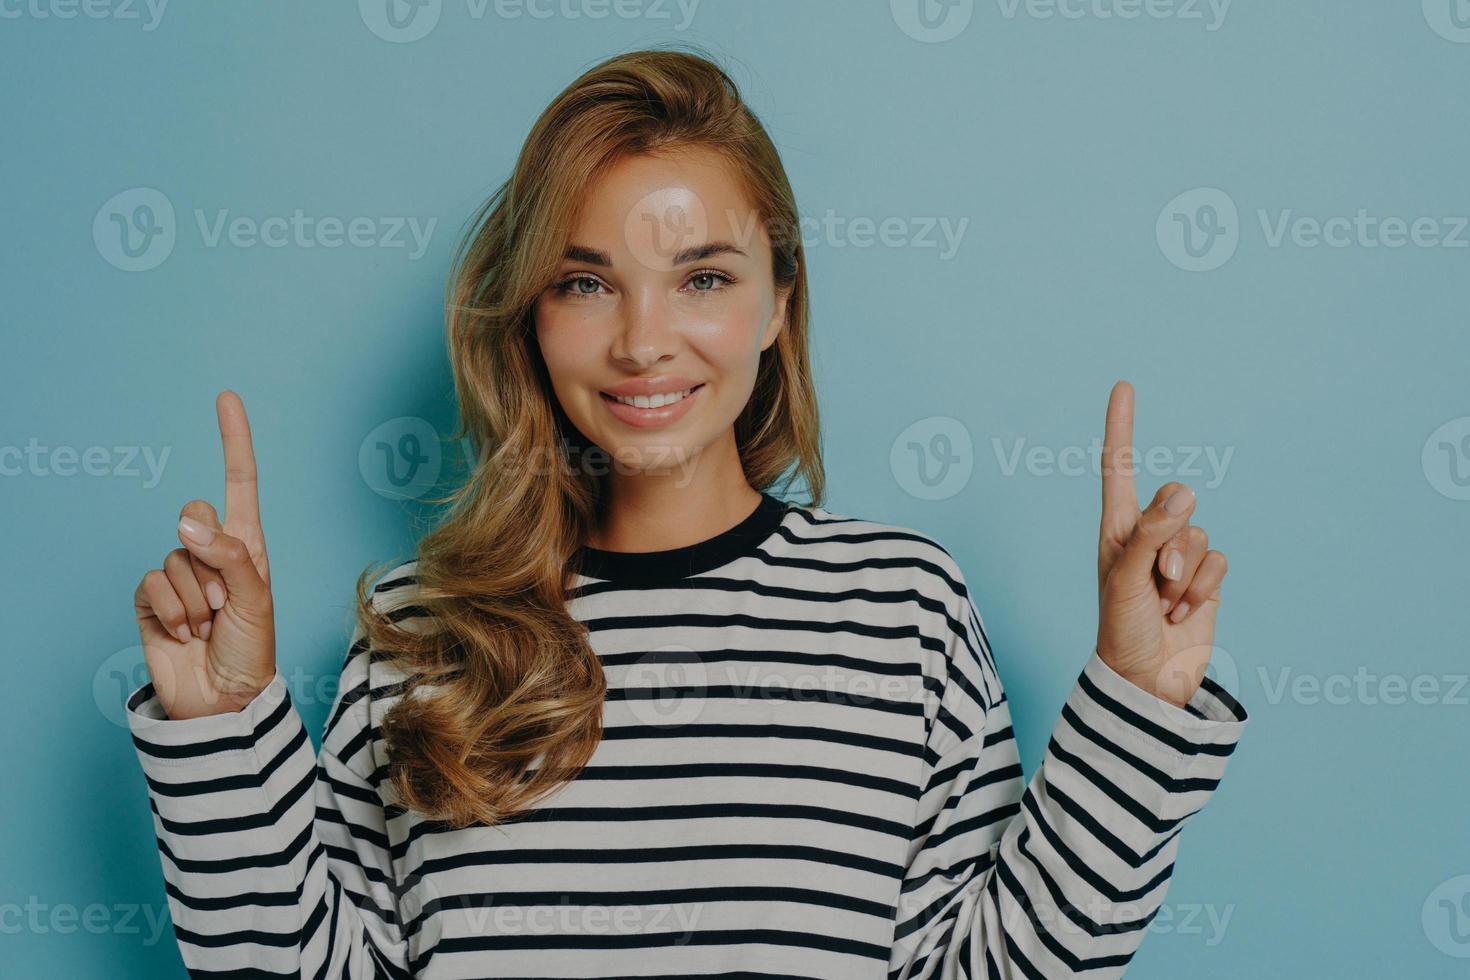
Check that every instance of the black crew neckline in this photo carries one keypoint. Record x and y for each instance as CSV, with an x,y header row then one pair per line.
x,y
651,567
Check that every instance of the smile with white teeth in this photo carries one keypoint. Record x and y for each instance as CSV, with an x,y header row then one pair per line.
x,y
652,401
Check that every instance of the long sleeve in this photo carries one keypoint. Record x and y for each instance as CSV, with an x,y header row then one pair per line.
x,y
1062,879
275,859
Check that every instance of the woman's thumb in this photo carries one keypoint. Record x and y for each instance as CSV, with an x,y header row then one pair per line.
x,y
1164,517
232,558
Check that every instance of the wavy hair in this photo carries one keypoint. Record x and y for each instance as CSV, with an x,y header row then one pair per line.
x,y
504,696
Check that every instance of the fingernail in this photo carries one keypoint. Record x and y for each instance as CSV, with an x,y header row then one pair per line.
x,y
195,531
1173,566
1164,606
1180,611
204,628
215,595
183,633
1178,501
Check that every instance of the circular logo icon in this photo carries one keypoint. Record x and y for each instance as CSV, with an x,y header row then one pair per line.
x,y
115,678
400,21
933,458
135,229
932,21
1446,459
663,223
1450,19
401,458
1446,917
126,671
1199,230
419,897
666,687
1179,670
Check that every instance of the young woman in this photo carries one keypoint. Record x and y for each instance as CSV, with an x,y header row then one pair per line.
x,y
628,712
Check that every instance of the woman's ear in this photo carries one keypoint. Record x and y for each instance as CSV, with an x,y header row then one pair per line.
x,y
778,317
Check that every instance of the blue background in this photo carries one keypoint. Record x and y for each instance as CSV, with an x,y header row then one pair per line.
x,y
1324,371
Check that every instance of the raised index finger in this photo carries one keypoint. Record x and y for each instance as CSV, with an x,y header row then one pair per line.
x,y
1119,494
242,503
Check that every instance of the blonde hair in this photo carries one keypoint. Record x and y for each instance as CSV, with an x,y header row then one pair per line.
x,y
510,691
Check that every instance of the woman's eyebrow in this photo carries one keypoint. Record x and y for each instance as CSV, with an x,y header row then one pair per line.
x,y
695,253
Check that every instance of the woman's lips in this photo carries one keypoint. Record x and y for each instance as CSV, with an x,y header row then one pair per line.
x,y
651,418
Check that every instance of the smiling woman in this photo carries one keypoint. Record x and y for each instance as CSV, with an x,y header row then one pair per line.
x,y
652,719
669,265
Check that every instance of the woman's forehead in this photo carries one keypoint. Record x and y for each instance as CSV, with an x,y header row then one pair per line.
x,y
670,199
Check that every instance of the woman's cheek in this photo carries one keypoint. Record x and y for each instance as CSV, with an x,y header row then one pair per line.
x,y
732,352
563,340
730,335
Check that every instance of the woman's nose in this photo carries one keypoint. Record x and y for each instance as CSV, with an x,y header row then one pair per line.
x,y
647,331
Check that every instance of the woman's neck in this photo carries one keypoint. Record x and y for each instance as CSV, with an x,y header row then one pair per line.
x,y
647,513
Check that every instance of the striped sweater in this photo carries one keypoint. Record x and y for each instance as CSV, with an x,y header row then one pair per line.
x,y
808,769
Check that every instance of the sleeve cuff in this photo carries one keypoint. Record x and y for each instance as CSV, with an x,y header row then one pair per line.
x,y
1210,713
1178,747
211,739
228,785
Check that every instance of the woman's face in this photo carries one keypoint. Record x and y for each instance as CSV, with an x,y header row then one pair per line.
x,y
666,287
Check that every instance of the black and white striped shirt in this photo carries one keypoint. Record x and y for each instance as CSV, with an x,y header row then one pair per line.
x,y
807,770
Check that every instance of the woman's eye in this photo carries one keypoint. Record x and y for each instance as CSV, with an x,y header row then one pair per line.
x,y
713,278
572,286
582,287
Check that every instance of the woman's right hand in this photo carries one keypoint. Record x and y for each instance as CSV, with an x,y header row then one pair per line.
x,y
206,618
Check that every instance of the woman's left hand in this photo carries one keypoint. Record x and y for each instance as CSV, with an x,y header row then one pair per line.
x,y
1158,584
